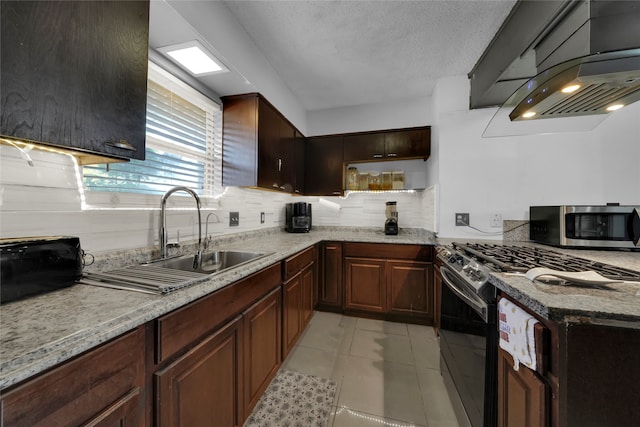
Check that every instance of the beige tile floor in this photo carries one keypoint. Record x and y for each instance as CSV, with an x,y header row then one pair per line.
x,y
387,373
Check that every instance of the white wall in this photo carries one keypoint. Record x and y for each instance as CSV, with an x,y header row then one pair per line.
x,y
215,22
390,115
508,174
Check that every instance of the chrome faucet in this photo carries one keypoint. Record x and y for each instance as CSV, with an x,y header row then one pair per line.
x,y
207,239
163,223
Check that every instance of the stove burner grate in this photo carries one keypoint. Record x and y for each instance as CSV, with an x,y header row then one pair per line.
x,y
523,258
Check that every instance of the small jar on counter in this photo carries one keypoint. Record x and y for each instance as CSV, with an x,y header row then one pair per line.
x,y
374,181
398,180
363,181
387,181
353,178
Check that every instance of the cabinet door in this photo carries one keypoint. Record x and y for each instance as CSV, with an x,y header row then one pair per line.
x,y
79,390
202,388
324,166
410,288
409,143
363,147
308,285
269,126
123,413
262,346
298,162
365,284
522,395
330,292
74,74
291,316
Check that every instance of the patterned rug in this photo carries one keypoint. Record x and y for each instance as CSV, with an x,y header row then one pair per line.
x,y
294,400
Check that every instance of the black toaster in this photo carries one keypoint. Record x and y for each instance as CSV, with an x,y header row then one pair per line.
x,y
35,265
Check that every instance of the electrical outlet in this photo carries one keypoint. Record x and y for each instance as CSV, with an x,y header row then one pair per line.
x,y
261,217
496,220
234,219
462,219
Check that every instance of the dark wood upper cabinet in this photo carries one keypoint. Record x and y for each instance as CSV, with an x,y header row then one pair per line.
x,y
401,144
258,144
366,146
324,167
408,143
74,74
299,154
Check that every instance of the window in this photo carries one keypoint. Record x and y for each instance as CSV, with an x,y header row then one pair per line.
x,y
183,144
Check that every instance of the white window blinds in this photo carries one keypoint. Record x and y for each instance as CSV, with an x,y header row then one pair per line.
x,y
183,143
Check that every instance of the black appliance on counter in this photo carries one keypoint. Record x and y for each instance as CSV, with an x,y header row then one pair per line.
x,y
391,223
35,265
608,227
298,217
468,330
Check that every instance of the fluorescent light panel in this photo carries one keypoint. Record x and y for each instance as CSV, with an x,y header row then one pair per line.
x,y
194,58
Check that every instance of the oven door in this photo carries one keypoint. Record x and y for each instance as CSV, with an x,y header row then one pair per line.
x,y
468,352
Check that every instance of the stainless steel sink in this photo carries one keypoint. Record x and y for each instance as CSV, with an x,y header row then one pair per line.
x,y
212,262
169,274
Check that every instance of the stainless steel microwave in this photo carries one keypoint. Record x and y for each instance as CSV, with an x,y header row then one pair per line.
x,y
586,226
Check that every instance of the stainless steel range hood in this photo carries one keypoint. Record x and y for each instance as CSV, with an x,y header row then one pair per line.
x,y
554,59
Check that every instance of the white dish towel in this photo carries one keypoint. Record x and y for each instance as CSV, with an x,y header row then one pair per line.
x,y
516,334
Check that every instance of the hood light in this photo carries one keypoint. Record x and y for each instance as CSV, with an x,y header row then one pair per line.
x,y
614,107
570,89
529,114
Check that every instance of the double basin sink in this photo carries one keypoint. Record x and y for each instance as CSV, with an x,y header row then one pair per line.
x,y
169,274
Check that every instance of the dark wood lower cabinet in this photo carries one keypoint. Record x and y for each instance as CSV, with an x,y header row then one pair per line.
x,y
292,321
99,388
201,388
365,284
330,288
308,286
262,346
522,395
410,288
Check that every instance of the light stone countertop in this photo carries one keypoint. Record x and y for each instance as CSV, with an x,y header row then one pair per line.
x,y
43,331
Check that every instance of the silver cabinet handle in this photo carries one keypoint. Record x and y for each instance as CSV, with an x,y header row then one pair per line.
x,y
279,165
282,187
392,155
123,143
377,156
274,185
337,193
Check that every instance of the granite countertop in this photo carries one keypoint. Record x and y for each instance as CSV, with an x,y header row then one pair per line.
x,y
43,331
619,302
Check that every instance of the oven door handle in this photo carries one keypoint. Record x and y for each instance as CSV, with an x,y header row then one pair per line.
x,y
479,307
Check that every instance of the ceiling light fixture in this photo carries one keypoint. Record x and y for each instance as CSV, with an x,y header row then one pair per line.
x,y
615,107
194,57
570,88
529,114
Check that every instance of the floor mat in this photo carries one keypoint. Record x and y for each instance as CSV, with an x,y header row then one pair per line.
x,y
294,400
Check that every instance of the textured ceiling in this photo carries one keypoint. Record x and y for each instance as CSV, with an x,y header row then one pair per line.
x,y
343,53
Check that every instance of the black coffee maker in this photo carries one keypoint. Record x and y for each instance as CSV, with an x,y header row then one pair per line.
x,y
298,217
391,224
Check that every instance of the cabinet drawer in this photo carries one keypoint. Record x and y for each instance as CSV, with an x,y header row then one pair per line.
x,y
76,391
388,251
177,330
292,265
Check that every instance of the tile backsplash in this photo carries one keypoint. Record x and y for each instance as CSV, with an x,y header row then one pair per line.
x,y
48,199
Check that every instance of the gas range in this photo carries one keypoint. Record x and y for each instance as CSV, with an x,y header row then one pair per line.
x,y
472,263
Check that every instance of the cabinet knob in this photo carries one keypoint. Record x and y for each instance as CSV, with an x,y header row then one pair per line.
x,y
122,143
274,185
282,187
392,155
